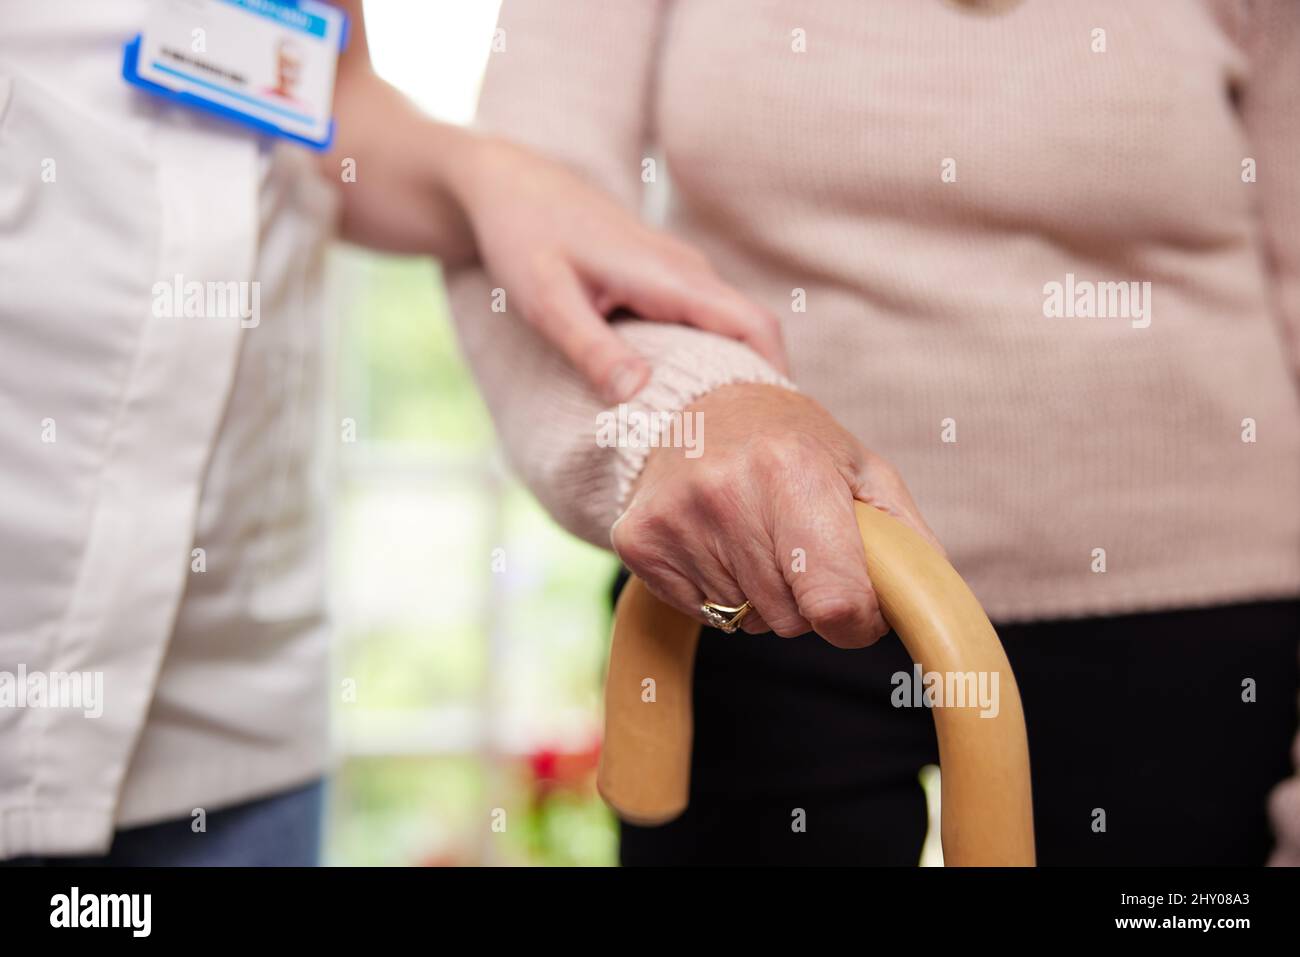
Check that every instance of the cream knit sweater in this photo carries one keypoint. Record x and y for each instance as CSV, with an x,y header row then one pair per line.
x,y
903,182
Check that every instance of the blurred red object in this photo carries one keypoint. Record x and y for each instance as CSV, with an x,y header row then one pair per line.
x,y
555,770
444,859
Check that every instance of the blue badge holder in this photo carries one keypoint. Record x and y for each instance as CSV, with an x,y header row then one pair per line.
x,y
131,56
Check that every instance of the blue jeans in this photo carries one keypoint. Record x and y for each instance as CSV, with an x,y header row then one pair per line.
x,y
282,830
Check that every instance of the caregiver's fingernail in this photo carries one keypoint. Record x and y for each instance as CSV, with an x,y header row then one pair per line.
x,y
626,381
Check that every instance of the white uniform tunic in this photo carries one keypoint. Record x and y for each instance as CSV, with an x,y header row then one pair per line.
x,y
169,434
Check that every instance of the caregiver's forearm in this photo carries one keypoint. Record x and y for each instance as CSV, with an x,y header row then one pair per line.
x,y
396,171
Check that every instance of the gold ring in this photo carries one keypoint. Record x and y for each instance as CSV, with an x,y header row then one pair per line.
x,y
723,617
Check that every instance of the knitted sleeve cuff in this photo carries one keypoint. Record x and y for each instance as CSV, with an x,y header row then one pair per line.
x,y
687,365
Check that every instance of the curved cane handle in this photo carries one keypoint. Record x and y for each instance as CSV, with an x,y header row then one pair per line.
x,y
986,807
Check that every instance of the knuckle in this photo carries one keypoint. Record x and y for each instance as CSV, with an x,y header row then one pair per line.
x,y
775,454
636,540
713,489
633,551
882,470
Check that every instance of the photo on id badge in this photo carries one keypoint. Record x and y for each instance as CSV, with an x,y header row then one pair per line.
x,y
268,64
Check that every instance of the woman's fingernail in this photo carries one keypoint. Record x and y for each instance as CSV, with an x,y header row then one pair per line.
x,y
626,381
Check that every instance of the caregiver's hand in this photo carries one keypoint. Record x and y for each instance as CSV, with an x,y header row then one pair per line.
x,y
765,513
568,255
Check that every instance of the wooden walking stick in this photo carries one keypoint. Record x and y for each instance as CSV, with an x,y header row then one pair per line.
x,y
987,814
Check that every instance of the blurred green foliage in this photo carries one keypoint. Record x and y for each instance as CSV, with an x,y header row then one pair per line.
x,y
402,377
435,566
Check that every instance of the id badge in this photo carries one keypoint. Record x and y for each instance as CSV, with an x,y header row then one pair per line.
x,y
268,64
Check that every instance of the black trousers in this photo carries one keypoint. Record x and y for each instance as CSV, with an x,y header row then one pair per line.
x,y
1140,716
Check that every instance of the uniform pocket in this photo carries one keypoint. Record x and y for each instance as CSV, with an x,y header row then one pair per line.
x,y
79,231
